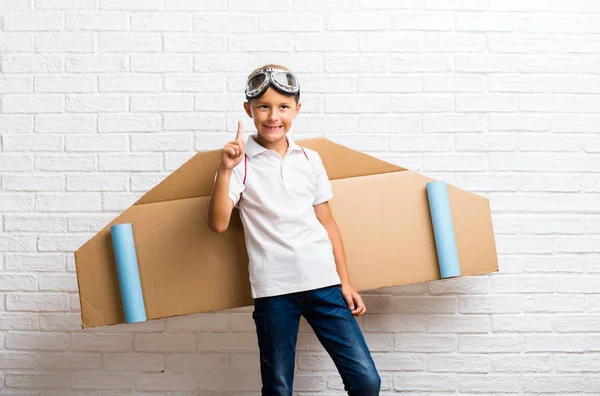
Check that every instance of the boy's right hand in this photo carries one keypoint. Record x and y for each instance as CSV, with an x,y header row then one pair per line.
x,y
233,152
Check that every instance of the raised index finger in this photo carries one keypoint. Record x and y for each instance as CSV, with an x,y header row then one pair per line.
x,y
240,132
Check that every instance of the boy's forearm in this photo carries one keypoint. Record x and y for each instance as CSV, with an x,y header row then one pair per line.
x,y
338,252
220,206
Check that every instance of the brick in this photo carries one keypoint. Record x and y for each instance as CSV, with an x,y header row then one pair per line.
x,y
193,43
69,123
522,324
59,162
130,162
460,364
65,4
522,363
485,142
421,143
16,42
62,321
16,202
97,63
56,381
519,83
215,23
9,282
162,142
489,304
101,380
160,63
577,323
453,83
100,342
58,282
424,343
194,121
226,62
192,5
144,182
134,361
214,342
353,63
13,124
578,363
16,162
425,382
388,42
95,103
557,63
130,83
553,343
118,202
15,5
486,103
195,83
15,85
64,42
366,103
32,104
96,182
458,324
486,23
550,304
487,182
553,383
393,323
167,382
453,123
162,103
489,63
129,42
423,103
453,42
170,22
32,143
489,343
88,223
131,5
360,21
67,202
261,5
455,162
421,22
33,21
106,21
15,321
95,143
16,243
33,183
164,342
489,383
31,63
34,262
129,123
37,341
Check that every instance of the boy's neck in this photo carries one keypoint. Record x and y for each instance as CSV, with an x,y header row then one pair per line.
x,y
280,146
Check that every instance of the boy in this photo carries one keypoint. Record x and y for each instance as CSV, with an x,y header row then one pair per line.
x,y
297,264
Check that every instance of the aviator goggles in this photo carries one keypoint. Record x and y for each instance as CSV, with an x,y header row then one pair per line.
x,y
282,80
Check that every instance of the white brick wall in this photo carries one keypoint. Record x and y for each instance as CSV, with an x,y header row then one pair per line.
x,y
101,99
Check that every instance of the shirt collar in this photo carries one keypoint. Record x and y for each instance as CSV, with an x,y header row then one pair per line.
x,y
252,148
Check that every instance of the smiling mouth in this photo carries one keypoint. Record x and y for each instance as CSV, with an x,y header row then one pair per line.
x,y
274,129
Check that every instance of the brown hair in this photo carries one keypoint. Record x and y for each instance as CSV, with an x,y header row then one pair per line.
x,y
275,66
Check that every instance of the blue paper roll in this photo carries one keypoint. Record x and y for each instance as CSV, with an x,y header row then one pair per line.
x,y
443,230
128,273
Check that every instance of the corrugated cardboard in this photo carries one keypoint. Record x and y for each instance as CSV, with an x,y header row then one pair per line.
x,y
381,209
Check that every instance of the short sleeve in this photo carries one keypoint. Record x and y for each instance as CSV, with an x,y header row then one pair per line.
x,y
323,191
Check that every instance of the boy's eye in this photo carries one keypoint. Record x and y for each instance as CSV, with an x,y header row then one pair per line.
x,y
285,106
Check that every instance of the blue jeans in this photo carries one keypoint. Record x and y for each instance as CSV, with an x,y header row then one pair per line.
x,y
277,320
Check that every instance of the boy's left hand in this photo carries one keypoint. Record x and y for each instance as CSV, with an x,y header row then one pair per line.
x,y
354,300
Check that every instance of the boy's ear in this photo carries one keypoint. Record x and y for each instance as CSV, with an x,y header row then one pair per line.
x,y
247,108
298,106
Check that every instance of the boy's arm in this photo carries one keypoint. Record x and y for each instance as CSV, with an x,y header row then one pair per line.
x,y
354,300
220,206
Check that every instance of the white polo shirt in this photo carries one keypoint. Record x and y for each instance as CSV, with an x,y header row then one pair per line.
x,y
288,248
